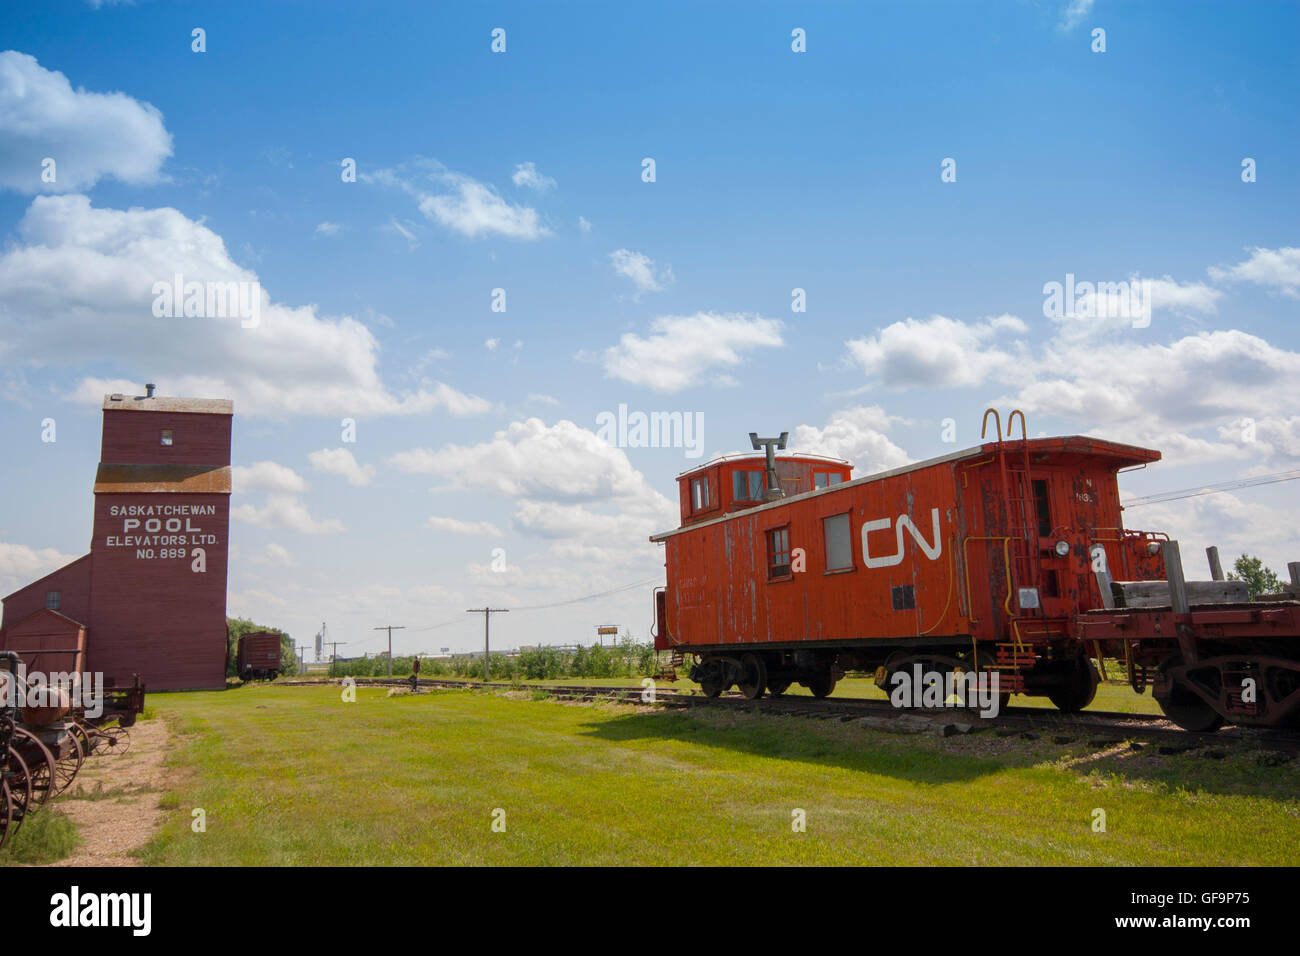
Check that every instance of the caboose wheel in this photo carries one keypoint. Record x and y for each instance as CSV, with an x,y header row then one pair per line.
x,y
755,679
711,688
822,684
777,687
1078,685
1184,706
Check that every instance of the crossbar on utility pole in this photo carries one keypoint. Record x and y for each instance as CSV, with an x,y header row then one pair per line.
x,y
390,628
333,653
487,613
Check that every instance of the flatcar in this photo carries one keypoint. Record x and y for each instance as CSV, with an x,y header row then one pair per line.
x,y
1009,558
258,657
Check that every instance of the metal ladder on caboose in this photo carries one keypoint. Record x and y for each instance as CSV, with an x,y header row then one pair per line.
x,y
1017,655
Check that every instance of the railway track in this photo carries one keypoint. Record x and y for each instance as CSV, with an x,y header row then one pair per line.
x,y
1097,728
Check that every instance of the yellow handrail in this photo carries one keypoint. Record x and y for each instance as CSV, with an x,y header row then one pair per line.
x,y
1024,431
951,575
985,423
1006,557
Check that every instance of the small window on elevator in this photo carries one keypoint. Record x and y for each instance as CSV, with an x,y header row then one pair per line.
x,y
1041,508
166,437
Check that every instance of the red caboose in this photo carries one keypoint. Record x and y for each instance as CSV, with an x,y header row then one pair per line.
x,y
977,560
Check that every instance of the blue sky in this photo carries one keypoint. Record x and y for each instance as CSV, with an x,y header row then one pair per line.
x,y
775,170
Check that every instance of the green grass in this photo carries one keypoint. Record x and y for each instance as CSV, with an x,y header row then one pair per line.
x,y
46,837
297,776
1112,695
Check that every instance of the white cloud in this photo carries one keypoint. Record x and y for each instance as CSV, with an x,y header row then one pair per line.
x,y
1183,297
1277,269
526,175
285,511
549,519
936,352
491,344
403,230
544,399
640,268
266,476
682,349
275,555
1234,525
461,203
1074,13
79,287
21,565
561,462
583,224
1159,395
339,461
88,135
482,529
857,435
329,229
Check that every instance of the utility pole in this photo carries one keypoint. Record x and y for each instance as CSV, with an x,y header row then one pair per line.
x,y
333,645
390,628
487,613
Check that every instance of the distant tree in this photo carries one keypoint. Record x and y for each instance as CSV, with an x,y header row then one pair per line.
x,y
1259,579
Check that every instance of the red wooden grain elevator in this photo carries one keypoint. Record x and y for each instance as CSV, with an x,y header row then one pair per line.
x,y
150,597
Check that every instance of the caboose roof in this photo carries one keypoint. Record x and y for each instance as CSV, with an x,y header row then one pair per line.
x,y
760,458
1121,454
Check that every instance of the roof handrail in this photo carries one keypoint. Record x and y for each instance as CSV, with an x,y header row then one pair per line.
x,y
984,425
1024,431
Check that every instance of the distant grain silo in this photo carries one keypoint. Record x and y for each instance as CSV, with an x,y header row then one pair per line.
x,y
150,597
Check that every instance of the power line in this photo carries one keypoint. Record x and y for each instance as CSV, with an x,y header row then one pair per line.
x,y
541,607
1212,489
588,597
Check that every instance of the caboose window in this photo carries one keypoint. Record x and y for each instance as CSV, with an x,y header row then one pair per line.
x,y
824,479
747,485
700,493
839,546
166,438
53,599
1043,511
778,553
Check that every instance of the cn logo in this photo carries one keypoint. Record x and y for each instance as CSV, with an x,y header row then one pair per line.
x,y
931,551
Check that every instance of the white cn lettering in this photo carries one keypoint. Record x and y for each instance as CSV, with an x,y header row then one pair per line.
x,y
931,551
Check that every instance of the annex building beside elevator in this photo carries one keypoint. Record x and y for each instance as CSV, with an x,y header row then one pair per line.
x,y
150,597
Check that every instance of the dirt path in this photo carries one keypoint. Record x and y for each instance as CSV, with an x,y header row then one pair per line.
x,y
114,800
